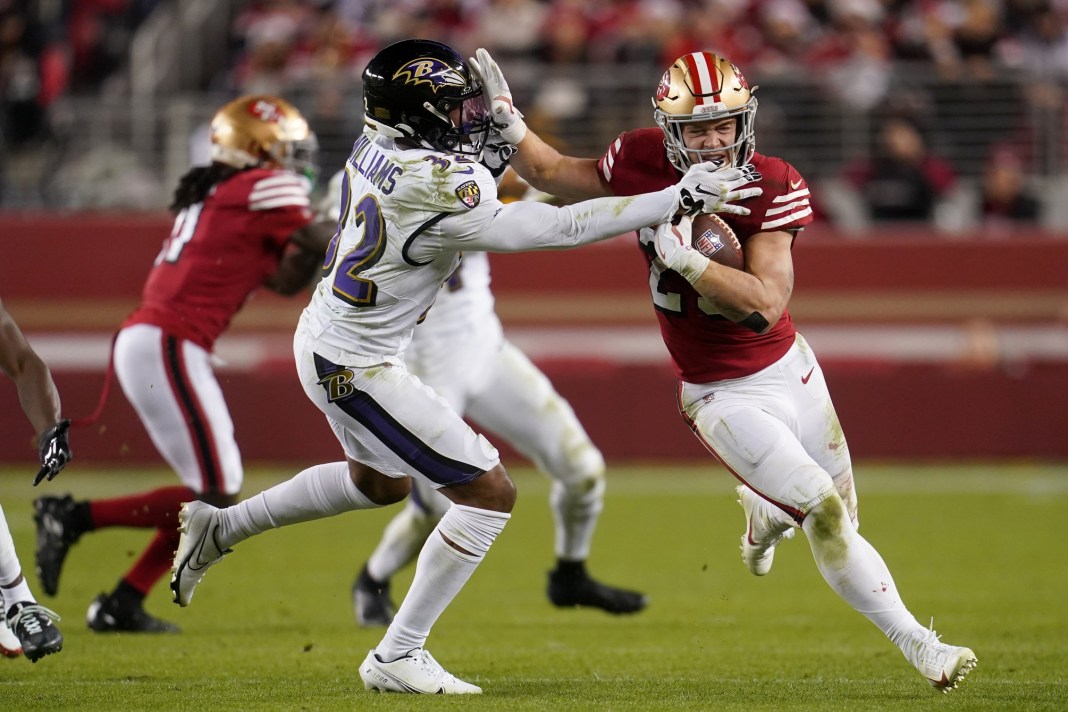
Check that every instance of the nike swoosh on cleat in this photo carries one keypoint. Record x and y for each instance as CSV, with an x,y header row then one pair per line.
x,y
195,563
804,379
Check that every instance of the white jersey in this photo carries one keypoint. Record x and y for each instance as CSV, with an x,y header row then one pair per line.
x,y
405,217
464,302
388,262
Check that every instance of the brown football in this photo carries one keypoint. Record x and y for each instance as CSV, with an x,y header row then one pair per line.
x,y
715,239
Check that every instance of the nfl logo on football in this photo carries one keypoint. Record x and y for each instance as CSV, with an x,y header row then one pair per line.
x,y
708,243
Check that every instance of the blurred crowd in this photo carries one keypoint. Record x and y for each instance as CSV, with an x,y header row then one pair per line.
x,y
314,50
48,49
282,41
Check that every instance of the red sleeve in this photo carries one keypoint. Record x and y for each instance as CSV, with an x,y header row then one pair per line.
x,y
278,203
637,163
608,160
784,205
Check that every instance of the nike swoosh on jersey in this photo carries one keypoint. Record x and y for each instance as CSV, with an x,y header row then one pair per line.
x,y
804,379
795,186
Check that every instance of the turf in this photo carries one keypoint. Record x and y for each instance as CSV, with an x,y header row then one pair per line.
x,y
271,628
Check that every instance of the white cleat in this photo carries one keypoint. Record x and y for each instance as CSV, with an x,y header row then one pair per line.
x,y
198,548
944,666
416,673
10,645
761,534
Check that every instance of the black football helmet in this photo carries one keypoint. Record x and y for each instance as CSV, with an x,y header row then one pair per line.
x,y
423,91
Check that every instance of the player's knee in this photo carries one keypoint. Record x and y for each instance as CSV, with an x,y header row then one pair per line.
x,y
493,490
828,521
579,458
586,489
500,492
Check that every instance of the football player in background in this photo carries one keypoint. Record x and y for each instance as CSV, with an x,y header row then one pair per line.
x,y
460,351
242,222
750,387
415,195
26,627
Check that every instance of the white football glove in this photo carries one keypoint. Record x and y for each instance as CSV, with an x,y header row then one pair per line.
x,y
506,118
674,248
706,189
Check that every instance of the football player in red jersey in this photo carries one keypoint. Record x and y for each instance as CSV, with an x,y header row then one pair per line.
x,y
749,386
241,222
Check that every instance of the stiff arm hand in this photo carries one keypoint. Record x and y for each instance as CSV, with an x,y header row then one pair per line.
x,y
708,189
54,449
506,118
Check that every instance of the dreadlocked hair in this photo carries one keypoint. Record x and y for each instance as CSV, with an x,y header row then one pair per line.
x,y
194,185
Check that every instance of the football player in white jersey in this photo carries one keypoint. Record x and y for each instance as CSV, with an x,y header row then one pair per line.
x,y
460,351
26,627
415,197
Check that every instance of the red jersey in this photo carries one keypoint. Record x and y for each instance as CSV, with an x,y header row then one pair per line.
x,y
704,345
220,251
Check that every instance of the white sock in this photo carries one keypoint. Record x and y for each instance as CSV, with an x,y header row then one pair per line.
x,y
440,574
857,573
401,541
317,492
576,506
19,593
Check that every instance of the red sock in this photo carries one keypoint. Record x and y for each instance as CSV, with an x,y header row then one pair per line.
x,y
155,561
157,509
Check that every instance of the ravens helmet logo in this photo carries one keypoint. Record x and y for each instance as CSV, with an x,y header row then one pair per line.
x,y
432,71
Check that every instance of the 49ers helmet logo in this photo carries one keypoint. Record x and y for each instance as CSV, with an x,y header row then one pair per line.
x,y
741,78
664,86
266,111
428,70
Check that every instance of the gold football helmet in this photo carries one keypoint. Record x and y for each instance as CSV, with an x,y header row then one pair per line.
x,y
703,86
263,130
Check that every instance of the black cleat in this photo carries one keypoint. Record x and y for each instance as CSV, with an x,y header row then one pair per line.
x,y
109,615
572,586
33,626
56,532
371,601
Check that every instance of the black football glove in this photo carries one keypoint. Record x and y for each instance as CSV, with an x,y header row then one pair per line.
x,y
496,155
54,450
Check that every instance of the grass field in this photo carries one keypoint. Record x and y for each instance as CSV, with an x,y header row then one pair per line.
x,y
271,628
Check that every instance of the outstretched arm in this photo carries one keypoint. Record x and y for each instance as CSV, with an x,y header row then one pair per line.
x,y
37,395
532,226
37,392
524,225
537,162
551,172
